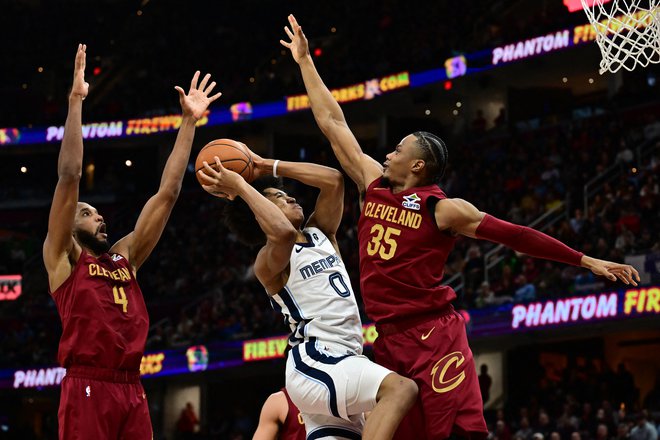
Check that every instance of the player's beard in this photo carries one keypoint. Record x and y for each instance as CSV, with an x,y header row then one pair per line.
x,y
91,242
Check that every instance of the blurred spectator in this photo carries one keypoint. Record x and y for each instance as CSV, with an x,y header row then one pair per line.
x,y
524,431
187,423
643,430
485,382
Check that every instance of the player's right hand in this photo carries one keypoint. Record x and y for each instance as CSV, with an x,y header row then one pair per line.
x,y
80,87
298,45
222,183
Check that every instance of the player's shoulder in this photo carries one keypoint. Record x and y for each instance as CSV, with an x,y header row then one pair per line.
x,y
432,190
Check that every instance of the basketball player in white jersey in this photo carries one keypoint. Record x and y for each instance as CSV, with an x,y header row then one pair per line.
x,y
299,265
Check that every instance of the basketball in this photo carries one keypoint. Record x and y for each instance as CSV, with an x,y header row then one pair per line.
x,y
233,155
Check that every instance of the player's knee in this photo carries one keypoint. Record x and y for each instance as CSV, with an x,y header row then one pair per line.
x,y
400,389
409,391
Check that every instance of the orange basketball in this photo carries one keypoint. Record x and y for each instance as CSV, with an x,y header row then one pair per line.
x,y
233,155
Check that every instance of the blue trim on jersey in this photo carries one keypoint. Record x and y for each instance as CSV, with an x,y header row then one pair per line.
x,y
298,335
294,340
291,304
275,305
333,431
315,354
310,242
319,375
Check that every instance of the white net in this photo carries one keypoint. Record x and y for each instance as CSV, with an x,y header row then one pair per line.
x,y
627,32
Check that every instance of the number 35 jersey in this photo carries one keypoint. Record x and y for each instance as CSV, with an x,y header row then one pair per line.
x,y
402,253
104,318
317,300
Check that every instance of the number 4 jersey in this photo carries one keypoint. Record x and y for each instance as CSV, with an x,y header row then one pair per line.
x,y
104,318
318,300
402,253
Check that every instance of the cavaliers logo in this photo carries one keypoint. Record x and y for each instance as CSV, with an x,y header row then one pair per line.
x,y
442,380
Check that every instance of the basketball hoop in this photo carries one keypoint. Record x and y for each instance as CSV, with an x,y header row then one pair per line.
x,y
627,32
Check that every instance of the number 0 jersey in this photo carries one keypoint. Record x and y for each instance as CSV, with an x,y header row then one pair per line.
x,y
104,318
318,301
402,253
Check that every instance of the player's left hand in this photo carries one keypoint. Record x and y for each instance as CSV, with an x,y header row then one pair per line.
x,y
298,45
222,183
80,88
195,103
260,168
624,272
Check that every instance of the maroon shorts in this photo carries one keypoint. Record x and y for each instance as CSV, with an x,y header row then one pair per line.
x,y
98,403
434,352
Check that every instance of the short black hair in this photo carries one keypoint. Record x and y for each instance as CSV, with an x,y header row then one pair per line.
x,y
239,218
434,153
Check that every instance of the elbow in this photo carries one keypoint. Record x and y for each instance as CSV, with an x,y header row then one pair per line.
x,y
326,121
169,195
335,179
70,175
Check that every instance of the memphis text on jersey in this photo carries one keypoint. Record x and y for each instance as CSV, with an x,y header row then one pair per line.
x,y
393,214
319,266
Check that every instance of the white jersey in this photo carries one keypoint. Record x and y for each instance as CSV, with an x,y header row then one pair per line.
x,y
318,301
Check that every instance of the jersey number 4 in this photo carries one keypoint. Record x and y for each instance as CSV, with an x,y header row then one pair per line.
x,y
382,241
120,297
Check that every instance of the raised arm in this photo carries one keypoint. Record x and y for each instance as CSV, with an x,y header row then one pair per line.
x,y
461,217
361,168
272,417
274,256
60,250
330,182
137,245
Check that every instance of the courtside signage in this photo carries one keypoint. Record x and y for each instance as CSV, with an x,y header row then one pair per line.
x,y
565,38
10,287
532,47
275,347
590,308
37,378
131,127
363,91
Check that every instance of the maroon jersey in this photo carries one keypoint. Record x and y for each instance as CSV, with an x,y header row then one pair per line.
x,y
104,318
293,427
402,253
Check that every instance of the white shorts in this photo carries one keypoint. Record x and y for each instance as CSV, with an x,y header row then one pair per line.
x,y
332,390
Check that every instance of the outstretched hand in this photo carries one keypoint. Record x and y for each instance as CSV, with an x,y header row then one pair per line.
x,y
624,272
298,45
197,100
80,87
222,182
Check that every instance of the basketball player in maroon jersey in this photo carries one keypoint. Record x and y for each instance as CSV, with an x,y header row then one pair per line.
x,y
406,230
104,318
280,419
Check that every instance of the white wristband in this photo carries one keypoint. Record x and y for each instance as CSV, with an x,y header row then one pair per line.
x,y
275,168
